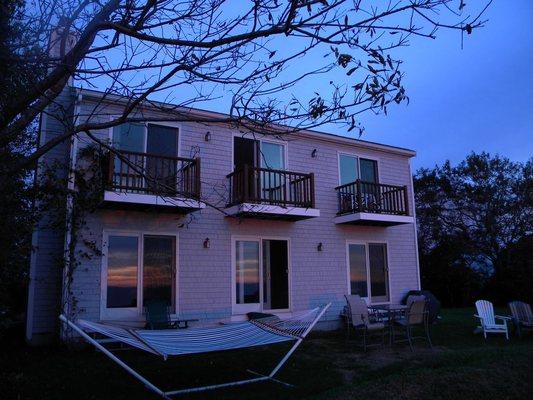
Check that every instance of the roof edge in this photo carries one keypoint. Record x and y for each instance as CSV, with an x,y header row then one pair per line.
x,y
330,137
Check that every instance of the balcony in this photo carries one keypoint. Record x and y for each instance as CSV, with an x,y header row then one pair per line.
x,y
271,194
144,181
368,203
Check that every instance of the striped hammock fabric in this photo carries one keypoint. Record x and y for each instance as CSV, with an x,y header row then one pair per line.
x,y
171,342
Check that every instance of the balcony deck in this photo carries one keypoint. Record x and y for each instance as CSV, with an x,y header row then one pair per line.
x,y
142,181
271,194
374,204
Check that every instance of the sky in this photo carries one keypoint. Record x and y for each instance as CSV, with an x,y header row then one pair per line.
x,y
477,99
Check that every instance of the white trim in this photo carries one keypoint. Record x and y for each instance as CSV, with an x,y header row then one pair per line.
x,y
366,244
372,217
150,199
237,310
415,228
134,313
272,210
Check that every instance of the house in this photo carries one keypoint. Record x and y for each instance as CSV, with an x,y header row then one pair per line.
x,y
229,222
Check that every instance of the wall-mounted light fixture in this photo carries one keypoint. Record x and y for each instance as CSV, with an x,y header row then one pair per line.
x,y
207,243
314,153
207,136
320,246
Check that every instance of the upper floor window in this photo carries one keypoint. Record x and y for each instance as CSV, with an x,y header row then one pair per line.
x,y
352,168
153,139
258,153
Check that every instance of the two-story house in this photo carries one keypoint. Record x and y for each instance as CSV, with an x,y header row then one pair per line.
x,y
230,222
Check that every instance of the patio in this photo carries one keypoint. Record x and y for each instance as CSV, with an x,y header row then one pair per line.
x,y
461,365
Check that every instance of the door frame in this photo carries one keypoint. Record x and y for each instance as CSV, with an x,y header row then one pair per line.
x,y
133,313
368,299
239,309
260,138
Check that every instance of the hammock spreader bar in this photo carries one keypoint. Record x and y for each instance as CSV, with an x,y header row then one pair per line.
x,y
168,342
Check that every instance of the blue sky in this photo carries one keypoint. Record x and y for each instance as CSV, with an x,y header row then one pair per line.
x,y
478,98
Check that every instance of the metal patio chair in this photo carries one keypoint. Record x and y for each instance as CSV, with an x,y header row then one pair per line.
x,y
416,315
359,320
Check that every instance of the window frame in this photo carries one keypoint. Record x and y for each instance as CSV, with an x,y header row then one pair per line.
x,y
134,313
261,139
366,244
240,309
358,157
168,124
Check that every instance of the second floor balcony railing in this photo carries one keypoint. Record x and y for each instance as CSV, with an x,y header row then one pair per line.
x,y
268,186
134,172
369,197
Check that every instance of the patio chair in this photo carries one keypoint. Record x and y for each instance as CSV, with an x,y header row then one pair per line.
x,y
417,314
522,316
359,320
158,317
488,324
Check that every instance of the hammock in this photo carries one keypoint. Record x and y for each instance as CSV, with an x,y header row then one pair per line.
x,y
170,342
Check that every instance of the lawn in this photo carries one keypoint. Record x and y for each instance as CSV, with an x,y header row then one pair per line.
x,y
326,366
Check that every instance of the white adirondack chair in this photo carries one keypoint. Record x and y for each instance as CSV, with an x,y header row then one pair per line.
x,y
485,313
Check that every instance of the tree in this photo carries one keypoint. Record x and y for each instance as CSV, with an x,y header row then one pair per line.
x,y
251,51
477,215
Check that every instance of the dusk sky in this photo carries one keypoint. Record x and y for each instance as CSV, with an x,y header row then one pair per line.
x,y
478,98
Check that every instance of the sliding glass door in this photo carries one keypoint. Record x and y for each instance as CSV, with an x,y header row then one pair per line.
x,y
368,271
261,275
137,268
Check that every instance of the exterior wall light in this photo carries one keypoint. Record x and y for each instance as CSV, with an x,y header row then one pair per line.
x,y
314,153
207,136
320,247
207,243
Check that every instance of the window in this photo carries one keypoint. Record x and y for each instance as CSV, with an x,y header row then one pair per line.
x,y
352,168
368,271
151,138
258,153
261,275
137,268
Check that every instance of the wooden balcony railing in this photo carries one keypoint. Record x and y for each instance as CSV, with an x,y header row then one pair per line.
x,y
134,172
360,196
268,186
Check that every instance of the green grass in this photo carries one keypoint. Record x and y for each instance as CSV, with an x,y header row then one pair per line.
x,y
461,366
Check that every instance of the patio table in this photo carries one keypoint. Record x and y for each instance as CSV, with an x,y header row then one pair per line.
x,y
392,310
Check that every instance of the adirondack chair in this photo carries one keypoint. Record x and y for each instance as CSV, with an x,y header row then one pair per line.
x,y
488,324
522,316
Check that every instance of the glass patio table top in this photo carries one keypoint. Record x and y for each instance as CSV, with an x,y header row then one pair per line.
x,y
388,307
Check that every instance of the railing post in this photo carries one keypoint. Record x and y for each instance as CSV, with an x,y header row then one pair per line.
x,y
197,179
406,201
111,167
312,188
359,195
246,179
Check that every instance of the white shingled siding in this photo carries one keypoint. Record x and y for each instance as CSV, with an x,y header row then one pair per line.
x,y
204,275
